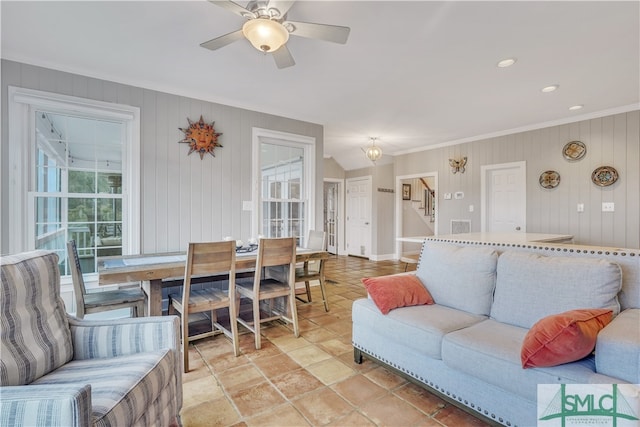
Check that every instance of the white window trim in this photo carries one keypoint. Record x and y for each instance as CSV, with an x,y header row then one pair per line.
x,y
22,102
308,143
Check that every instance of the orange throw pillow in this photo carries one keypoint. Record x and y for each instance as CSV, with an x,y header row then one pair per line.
x,y
563,338
389,292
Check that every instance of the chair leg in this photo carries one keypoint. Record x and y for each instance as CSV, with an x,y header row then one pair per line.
x,y
324,295
308,286
233,324
256,321
185,341
294,313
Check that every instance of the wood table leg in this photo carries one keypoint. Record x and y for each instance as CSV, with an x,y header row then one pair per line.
x,y
153,289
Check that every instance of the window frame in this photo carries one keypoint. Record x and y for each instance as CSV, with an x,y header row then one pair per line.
x,y
308,145
22,160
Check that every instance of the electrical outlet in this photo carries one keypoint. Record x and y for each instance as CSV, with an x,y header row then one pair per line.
x,y
580,207
471,208
608,207
447,196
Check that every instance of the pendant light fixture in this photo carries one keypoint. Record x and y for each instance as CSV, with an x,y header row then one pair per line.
x,y
373,152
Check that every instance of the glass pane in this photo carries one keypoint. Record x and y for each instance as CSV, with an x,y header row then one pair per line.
x,y
82,155
82,182
81,210
109,210
294,190
48,209
110,183
48,180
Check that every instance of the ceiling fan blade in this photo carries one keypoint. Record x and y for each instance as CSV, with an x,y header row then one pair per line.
x,y
330,33
283,57
234,8
282,6
222,41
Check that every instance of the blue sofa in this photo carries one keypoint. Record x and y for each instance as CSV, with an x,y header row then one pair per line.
x,y
466,347
56,370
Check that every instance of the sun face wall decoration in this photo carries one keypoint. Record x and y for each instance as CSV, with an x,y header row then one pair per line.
x,y
201,137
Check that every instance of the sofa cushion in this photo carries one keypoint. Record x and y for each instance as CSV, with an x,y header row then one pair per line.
x,y
122,388
563,338
490,351
540,286
34,330
618,347
419,327
459,277
396,290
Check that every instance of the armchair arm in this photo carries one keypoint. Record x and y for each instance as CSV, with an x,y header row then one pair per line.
x,y
50,405
618,347
110,338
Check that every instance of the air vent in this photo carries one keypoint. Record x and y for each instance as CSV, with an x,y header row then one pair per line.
x,y
460,226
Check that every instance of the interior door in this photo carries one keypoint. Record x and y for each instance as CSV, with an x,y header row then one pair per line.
x,y
331,215
505,198
359,217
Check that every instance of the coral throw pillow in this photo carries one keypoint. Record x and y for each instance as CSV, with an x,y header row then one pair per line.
x,y
563,338
389,292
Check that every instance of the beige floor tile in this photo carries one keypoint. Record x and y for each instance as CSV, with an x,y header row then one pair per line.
x,y
385,378
319,334
274,366
359,390
256,399
240,378
335,346
216,412
201,390
354,419
322,407
392,411
330,371
296,383
281,416
289,343
309,355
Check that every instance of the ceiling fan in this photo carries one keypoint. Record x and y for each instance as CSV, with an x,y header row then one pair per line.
x,y
268,29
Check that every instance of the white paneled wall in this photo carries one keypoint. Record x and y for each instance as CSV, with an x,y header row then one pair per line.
x,y
183,198
611,141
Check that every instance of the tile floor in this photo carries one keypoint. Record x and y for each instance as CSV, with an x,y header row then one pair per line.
x,y
311,380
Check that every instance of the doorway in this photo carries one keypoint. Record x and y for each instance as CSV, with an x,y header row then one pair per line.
x,y
416,210
503,190
359,216
333,215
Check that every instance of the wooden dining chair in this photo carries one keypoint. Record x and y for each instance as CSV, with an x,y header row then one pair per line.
x,y
96,302
278,254
313,269
207,259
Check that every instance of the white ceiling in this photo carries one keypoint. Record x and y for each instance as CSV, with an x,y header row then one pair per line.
x,y
414,74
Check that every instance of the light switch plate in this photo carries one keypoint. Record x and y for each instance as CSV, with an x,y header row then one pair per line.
x,y
608,207
447,196
458,195
247,205
580,207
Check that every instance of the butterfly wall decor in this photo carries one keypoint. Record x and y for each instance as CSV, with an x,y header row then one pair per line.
x,y
457,165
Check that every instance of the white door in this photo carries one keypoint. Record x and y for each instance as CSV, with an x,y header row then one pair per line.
x,y
331,201
359,217
504,198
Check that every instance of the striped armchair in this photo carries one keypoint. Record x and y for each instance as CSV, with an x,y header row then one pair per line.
x,y
56,370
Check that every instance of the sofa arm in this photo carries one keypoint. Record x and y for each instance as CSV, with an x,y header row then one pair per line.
x,y
110,338
50,405
618,347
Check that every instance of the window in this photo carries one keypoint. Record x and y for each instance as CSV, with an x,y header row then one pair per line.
x,y
78,185
285,197
79,181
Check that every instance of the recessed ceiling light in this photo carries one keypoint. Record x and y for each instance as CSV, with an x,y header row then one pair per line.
x,y
551,88
576,107
506,62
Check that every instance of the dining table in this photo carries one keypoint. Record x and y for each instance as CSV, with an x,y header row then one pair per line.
x,y
158,270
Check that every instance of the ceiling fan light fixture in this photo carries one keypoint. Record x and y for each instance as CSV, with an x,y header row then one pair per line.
x,y
265,34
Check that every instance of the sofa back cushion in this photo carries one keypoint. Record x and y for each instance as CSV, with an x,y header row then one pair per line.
x,y
34,329
530,287
459,277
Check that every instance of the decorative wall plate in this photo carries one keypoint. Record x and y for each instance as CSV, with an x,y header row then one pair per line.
x,y
604,176
574,150
549,179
